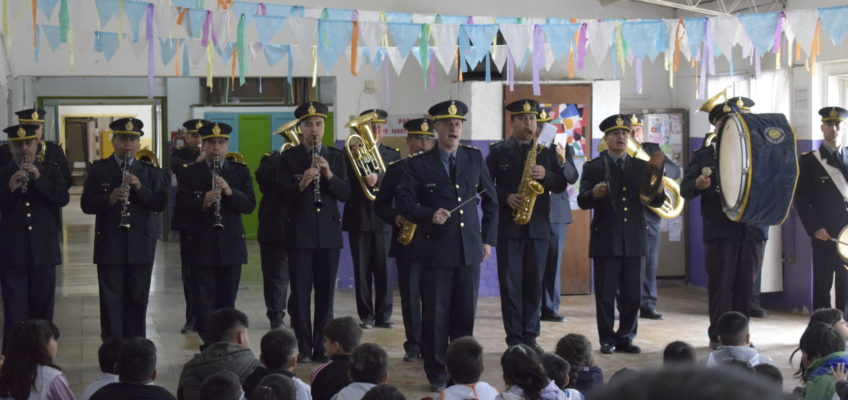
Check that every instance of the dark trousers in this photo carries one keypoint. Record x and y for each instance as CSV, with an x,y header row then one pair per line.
x,y
826,263
730,265
28,292
185,269
649,266
308,268
212,287
275,278
521,264
551,289
409,285
369,251
450,304
618,282
124,290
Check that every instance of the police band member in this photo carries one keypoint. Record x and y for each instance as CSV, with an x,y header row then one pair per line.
x,y
181,158
523,247
648,307
369,238
215,193
431,194
419,138
732,251
312,179
127,196
47,152
610,185
32,194
820,199
560,217
274,258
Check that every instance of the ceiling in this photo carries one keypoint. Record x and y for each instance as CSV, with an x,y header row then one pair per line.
x,y
712,7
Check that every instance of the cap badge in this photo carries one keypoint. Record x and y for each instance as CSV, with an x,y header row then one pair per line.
x,y
425,126
740,103
311,109
452,109
129,126
198,125
527,106
726,108
216,130
619,122
634,120
834,113
34,115
543,115
21,132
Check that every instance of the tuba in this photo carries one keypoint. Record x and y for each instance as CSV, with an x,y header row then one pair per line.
x,y
365,158
291,131
529,188
235,157
673,204
147,155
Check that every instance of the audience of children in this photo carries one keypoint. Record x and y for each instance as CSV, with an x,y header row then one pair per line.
x,y
28,371
368,368
136,372
221,385
770,373
274,387
834,318
734,342
577,350
464,362
279,356
107,356
524,377
557,369
822,351
341,335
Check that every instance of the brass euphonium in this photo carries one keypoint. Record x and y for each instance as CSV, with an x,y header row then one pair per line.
x,y
148,155
235,157
528,189
407,232
291,131
366,159
708,106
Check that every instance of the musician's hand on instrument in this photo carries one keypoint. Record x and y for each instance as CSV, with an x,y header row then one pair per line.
x,y
487,251
400,220
324,166
134,182
371,180
211,197
32,171
308,176
600,190
514,200
560,149
16,180
703,182
224,186
441,216
118,194
822,234
537,172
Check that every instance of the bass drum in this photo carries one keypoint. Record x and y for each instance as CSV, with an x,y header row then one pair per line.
x,y
842,244
757,168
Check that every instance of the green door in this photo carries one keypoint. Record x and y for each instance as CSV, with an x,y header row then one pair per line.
x,y
254,140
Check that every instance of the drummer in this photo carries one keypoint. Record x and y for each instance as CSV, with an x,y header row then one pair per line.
x,y
820,201
731,249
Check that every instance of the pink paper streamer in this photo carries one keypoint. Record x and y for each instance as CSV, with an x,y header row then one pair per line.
x,y
207,28
261,10
432,85
510,65
538,58
581,46
639,76
777,31
150,54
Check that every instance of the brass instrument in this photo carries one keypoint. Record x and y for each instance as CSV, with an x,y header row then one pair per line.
x,y
291,131
235,157
125,185
216,172
528,189
673,204
148,155
316,194
367,159
407,232
708,106
25,183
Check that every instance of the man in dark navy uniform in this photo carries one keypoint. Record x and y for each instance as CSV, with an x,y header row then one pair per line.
x,y
419,137
215,230
523,247
732,251
31,197
48,152
560,217
610,185
369,237
431,195
312,235
181,158
821,199
648,307
128,207
275,261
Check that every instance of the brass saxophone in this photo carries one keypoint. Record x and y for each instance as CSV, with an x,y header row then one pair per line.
x,y
407,232
528,189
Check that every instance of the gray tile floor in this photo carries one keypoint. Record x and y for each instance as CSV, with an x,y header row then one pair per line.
x,y
77,315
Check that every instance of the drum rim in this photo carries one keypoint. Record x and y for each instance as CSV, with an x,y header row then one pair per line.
x,y
736,212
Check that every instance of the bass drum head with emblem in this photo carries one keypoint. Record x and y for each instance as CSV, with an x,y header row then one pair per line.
x,y
841,247
757,168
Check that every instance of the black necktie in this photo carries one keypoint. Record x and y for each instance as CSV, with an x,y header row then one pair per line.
x,y
452,167
620,163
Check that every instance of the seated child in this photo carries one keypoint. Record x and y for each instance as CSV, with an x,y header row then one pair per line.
x,y
557,369
368,368
734,342
341,335
679,352
524,377
279,356
465,365
577,350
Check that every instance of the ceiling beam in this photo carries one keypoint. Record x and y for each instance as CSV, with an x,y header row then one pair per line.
x,y
666,3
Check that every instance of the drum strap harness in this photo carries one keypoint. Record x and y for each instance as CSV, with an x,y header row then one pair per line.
x,y
835,175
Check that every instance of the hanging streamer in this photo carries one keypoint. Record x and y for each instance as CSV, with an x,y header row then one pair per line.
x,y
233,69
538,58
581,46
150,55
210,64
571,64
679,32
488,61
388,87
619,46
242,50
432,85
186,64
6,25
510,70
207,29
314,66
34,25
64,25
354,44
424,53
777,31
816,46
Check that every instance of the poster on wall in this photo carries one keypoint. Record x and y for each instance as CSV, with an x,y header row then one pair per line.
x,y
394,124
667,131
568,121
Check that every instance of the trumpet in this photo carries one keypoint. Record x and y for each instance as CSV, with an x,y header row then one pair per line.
x,y
25,182
290,130
367,159
316,194
216,172
125,185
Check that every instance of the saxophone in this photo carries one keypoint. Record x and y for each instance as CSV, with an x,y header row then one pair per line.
x,y
407,231
529,189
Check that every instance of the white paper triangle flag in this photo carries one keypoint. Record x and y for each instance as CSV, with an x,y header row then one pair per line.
x,y
369,16
445,60
396,59
304,31
802,23
445,37
518,37
372,33
423,18
499,56
599,35
725,32
550,58
196,52
360,58
313,12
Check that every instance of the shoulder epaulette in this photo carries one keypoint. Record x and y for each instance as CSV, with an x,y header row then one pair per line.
x,y
496,143
395,149
396,161
806,153
468,146
185,165
267,155
416,154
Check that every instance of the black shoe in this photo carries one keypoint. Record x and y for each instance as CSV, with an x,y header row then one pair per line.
x,y
320,358
607,348
411,356
649,313
437,386
367,324
277,323
555,317
387,324
188,327
758,313
303,359
629,348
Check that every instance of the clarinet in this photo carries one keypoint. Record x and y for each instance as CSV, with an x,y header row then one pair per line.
x,y
25,182
316,198
216,172
125,185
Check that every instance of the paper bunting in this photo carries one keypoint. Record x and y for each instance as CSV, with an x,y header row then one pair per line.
x,y
444,38
694,33
106,9
833,22
53,36
245,8
184,3
600,37
760,29
135,12
167,49
560,37
338,14
452,19
280,10
47,7
404,35
725,31
642,37
225,51
397,59
518,38
424,18
360,57
196,19
139,48
268,27
481,37
499,56
507,20
370,16
380,57
398,16
372,33
106,43
304,31
333,37
801,24
196,51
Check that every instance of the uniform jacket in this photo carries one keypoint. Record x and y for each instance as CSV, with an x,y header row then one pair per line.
x,y
271,208
670,169
210,246
560,203
359,211
618,224
113,245
385,205
54,155
426,187
180,159
309,227
506,161
716,224
30,223
818,201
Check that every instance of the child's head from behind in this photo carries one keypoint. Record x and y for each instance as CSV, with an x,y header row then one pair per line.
x,y
107,354
223,385
770,373
275,387
732,329
369,364
465,360
576,349
819,340
341,335
832,317
137,361
557,369
383,392
35,340
522,368
679,352
279,348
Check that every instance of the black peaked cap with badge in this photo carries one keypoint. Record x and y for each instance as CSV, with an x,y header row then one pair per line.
x,y
21,132
740,103
194,125
31,116
637,120
382,115
615,121
448,109
719,111
127,126
833,114
215,130
524,106
544,114
311,109
419,126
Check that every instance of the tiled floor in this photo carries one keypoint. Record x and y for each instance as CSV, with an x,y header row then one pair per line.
x,y
77,315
